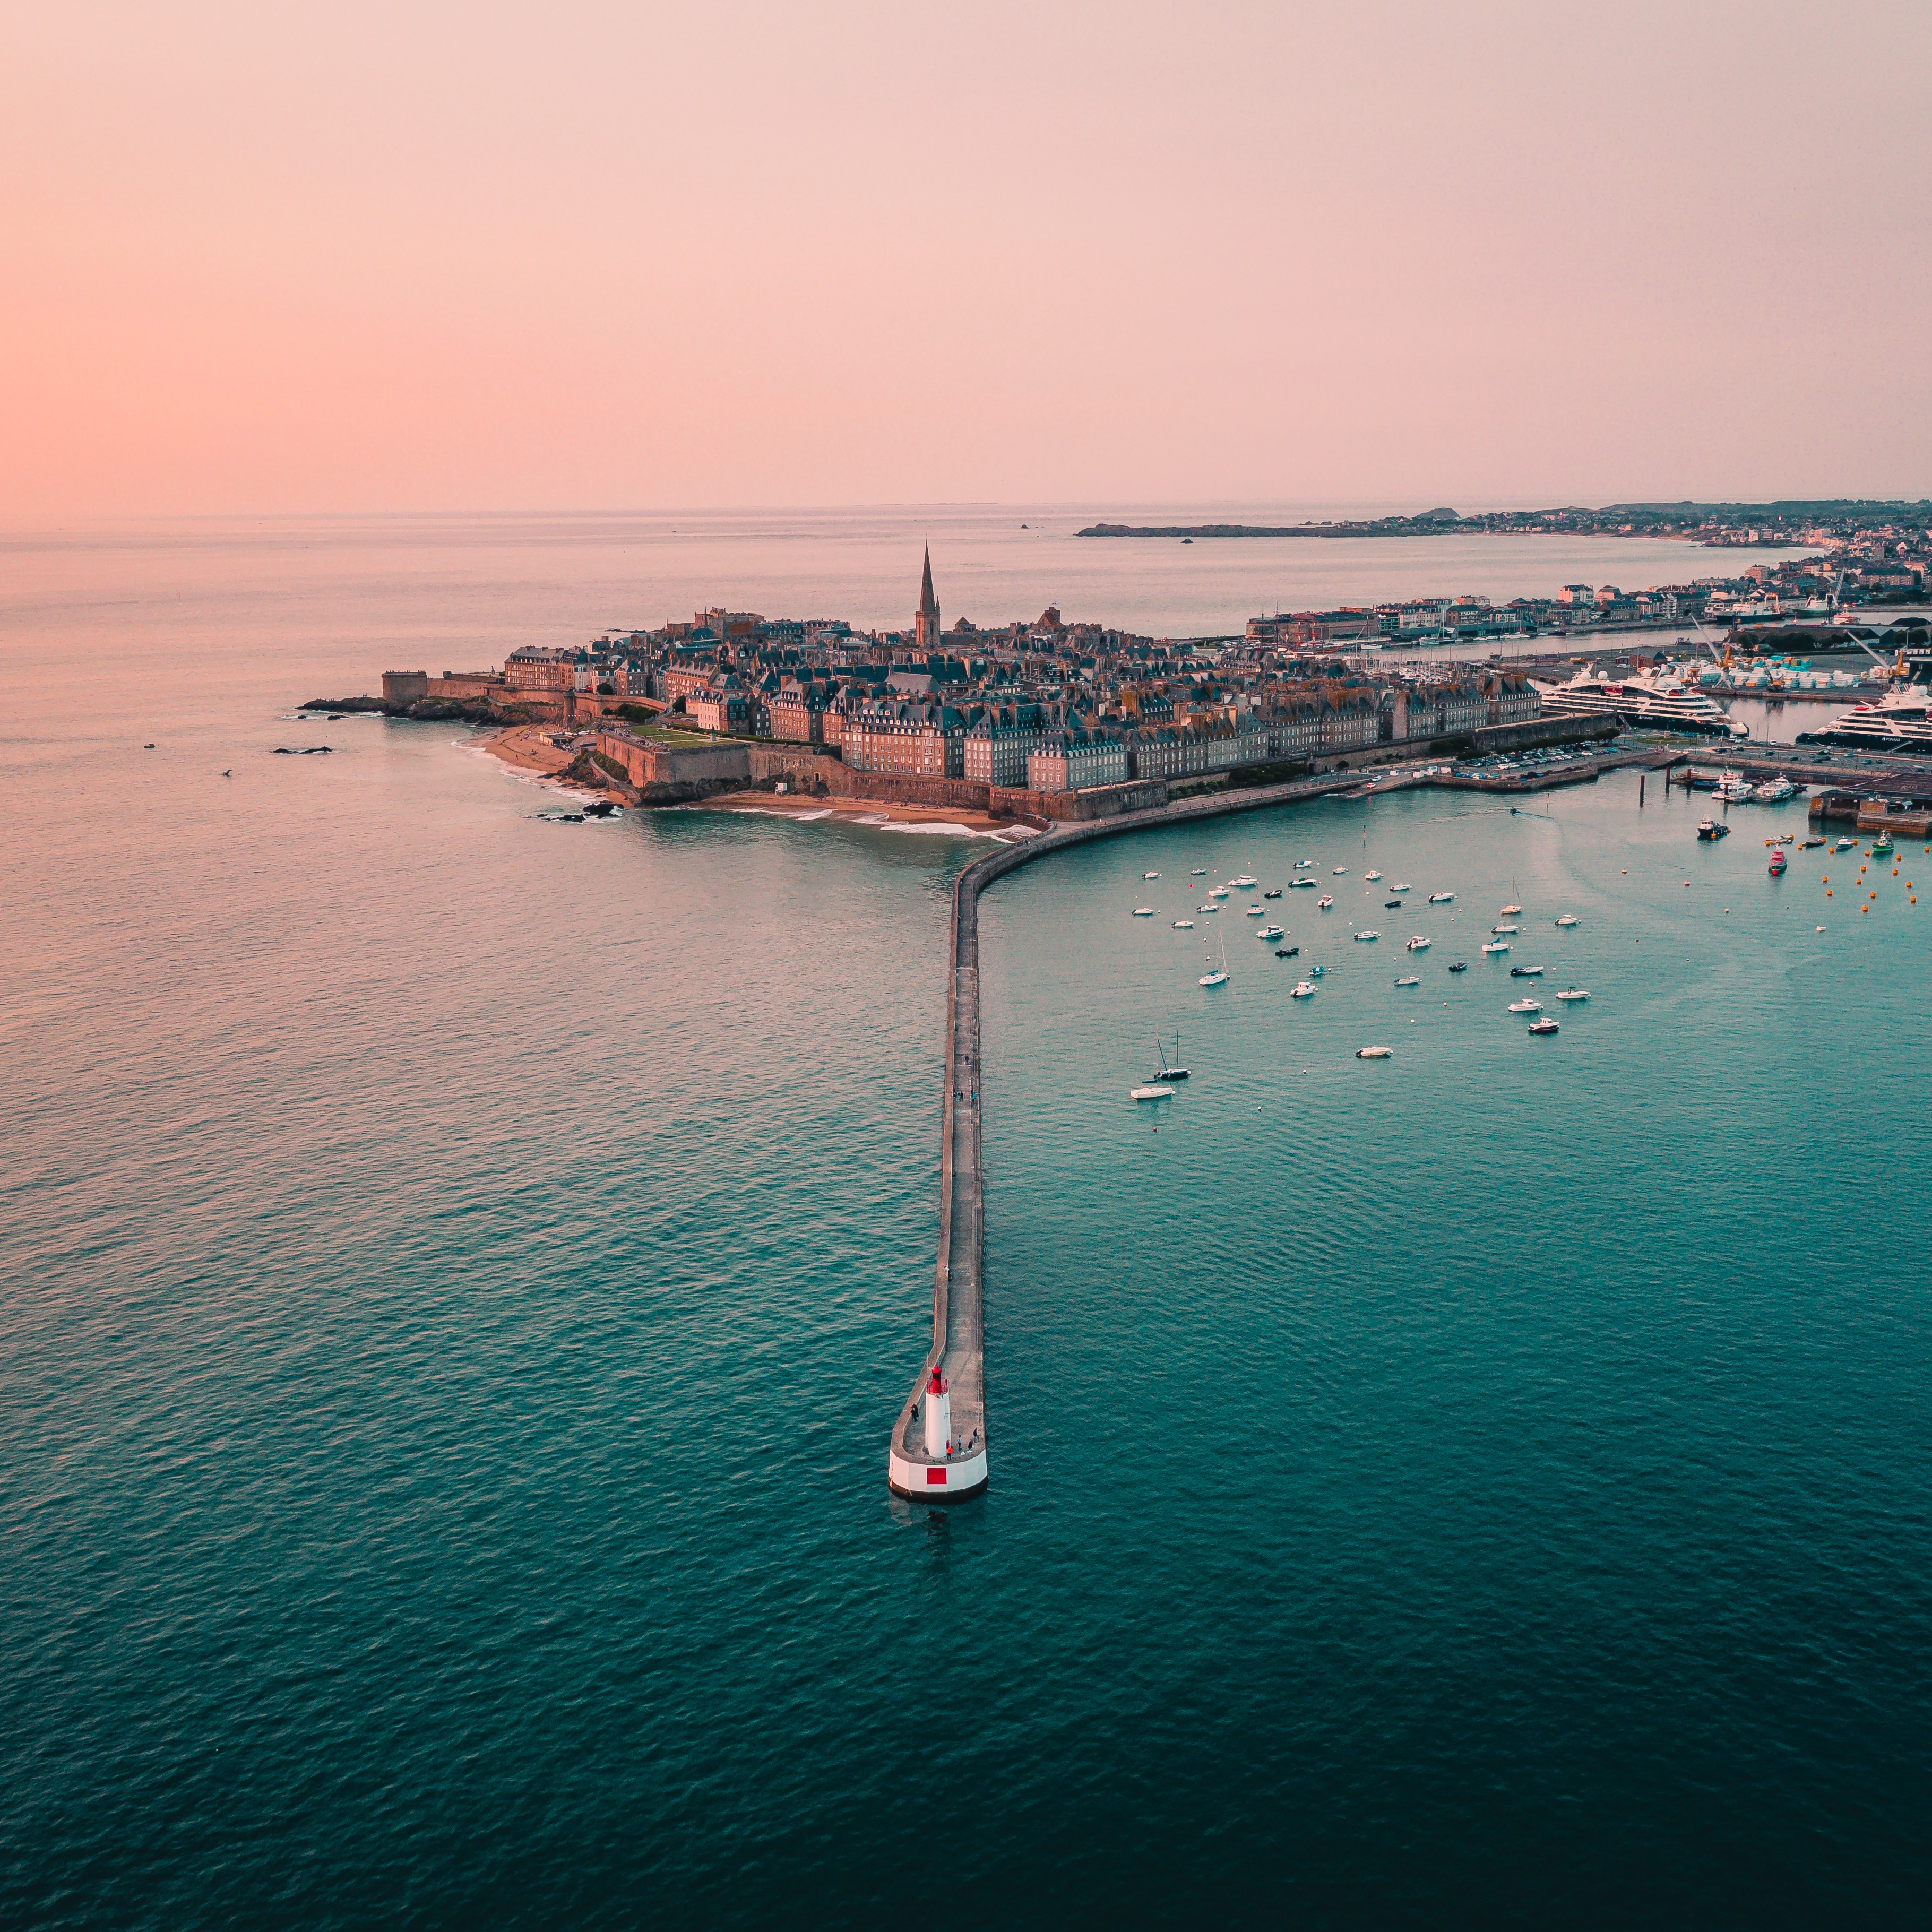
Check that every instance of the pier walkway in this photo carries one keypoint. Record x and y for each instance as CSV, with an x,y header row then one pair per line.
x,y
959,1321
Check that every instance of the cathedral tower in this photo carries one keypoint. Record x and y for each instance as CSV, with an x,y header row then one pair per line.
x,y
926,625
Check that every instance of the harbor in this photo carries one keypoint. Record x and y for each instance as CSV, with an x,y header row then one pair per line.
x,y
939,1446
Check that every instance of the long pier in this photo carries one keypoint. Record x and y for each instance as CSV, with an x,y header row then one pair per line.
x,y
954,1465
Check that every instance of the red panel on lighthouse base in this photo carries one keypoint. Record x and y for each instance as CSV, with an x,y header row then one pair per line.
x,y
935,1475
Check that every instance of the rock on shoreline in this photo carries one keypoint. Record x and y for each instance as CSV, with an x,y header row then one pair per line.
x,y
426,709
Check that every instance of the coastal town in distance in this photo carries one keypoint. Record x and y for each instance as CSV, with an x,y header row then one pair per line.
x,y
1017,727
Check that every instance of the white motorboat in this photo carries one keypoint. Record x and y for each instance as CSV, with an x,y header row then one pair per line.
x,y
1155,1092
1525,972
1844,845
1569,918
1525,1006
1373,1052
1150,875
1417,944
1341,871
1303,991
1505,928
1574,993
1510,912
1311,883
1368,935
1775,789
1257,912
1220,892
1197,872
1441,898
1409,979
1244,882
1734,788
1272,932
1372,875
1496,945
1208,908
1184,925
1143,912
1300,863
1324,902
1404,886
1544,1025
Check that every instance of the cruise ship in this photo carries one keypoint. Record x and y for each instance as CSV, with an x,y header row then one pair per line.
x,y
1658,698
1900,721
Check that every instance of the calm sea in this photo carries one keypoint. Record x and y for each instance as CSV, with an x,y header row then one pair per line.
x,y
457,1271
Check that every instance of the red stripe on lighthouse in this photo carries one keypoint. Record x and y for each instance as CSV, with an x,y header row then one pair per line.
x,y
935,1475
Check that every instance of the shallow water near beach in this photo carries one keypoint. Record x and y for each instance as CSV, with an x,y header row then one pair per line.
x,y
457,1271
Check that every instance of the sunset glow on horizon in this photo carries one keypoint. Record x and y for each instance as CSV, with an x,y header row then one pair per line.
x,y
502,257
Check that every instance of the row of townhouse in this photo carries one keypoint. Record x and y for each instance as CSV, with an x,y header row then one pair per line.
x,y
1076,760
910,738
1182,751
999,743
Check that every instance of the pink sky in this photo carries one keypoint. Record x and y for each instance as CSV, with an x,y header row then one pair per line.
x,y
369,257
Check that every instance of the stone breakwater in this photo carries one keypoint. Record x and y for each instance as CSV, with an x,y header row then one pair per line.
x,y
956,1466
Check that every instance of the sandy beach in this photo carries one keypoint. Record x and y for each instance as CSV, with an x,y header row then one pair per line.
x,y
528,747
866,811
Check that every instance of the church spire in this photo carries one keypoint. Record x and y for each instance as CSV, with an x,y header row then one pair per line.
x,y
926,626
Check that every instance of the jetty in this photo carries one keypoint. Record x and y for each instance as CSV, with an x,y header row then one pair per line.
x,y
938,1448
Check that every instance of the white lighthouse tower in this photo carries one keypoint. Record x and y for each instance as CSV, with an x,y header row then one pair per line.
x,y
938,1414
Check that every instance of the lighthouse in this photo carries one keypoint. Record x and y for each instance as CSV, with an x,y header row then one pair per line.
x,y
938,1415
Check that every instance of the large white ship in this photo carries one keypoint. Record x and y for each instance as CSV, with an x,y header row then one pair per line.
x,y
1900,721
1657,698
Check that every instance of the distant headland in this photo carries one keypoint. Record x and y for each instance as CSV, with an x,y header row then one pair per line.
x,y
1798,520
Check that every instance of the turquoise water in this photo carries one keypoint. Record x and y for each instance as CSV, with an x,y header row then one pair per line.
x,y
457,1271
